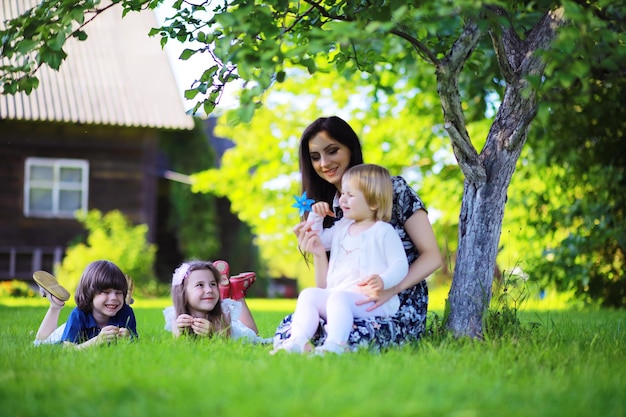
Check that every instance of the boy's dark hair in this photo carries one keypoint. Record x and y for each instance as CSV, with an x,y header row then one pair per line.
x,y
97,277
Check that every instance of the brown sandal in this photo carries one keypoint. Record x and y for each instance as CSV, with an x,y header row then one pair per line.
x,y
49,283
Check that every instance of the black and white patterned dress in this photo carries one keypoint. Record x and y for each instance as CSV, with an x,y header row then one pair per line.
x,y
409,322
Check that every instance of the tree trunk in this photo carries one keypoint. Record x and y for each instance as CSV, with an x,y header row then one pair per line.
x,y
480,225
482,212
488,174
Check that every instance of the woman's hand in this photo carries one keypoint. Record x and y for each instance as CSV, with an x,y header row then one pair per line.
x,y
300,229
312,244
308,239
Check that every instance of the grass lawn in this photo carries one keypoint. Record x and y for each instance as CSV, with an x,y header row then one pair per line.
x,y
572,364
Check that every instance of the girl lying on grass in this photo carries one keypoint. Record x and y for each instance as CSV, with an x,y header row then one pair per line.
x,y
208,303
101,314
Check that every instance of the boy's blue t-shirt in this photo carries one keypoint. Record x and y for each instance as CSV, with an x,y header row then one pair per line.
x,y
82,326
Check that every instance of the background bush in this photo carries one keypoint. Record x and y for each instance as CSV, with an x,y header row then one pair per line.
x,y
111,237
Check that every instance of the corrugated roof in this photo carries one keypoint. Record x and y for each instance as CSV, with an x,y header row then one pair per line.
x,y
118,76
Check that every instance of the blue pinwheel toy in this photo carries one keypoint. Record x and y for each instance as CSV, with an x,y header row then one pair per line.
x,y
302,203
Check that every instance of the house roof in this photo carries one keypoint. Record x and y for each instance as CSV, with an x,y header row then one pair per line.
x,y
118,76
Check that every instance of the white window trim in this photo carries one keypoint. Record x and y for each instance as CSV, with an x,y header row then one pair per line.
x,y
55,185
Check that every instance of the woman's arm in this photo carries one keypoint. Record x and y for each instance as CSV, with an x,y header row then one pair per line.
x,y
420,231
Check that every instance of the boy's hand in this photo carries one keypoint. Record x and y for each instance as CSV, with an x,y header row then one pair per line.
x,y
108,333
123,333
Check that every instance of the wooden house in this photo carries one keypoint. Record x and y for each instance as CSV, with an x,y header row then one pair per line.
x,y
86,138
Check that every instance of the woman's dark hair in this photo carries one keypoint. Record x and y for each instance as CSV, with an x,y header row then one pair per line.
x,y
316,187
97,277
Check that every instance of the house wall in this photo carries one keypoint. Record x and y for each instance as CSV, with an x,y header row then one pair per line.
x,y
122,176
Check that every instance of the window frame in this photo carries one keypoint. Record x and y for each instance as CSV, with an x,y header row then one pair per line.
x,y
56,186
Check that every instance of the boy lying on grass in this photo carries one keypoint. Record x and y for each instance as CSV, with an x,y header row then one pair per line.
x,y
102,314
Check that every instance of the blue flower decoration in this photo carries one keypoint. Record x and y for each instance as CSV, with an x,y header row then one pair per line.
x,y
302,203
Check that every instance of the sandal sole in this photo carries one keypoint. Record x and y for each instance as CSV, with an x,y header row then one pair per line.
x,y
224,269
48,282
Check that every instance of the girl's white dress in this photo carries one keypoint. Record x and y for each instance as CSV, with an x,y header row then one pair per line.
x,y
233,308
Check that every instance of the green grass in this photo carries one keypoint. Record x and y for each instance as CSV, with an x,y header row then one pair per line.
x,y
572,364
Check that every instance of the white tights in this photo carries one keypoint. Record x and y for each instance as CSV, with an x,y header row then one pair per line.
x,y
338,308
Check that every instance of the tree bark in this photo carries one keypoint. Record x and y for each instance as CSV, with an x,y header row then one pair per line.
x,y
486,183
480,225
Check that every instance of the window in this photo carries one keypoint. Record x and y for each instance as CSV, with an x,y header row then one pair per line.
x,y
55,187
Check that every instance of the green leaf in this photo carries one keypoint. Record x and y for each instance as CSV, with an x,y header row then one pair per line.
x,y
57,43
27,84
9,87
52,58
80,35
246,112
208,106
208,74
203,88
25,46
191,93
186,54
77,14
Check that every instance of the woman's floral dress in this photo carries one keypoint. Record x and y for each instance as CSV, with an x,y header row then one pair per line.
x,y
409,322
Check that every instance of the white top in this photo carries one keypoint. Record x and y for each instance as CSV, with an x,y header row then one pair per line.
x,y
377,250
231,307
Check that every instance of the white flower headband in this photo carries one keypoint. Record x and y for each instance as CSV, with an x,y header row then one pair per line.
x,y
180,274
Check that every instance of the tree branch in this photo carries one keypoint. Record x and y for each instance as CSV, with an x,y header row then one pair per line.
x,y
297,20
447,85
419,47
318,6
540,37
497,34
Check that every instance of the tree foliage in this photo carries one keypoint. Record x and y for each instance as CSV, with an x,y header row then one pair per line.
x,y
578,205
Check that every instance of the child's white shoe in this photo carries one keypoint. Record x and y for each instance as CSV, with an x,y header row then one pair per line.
x,y
293,346
330,347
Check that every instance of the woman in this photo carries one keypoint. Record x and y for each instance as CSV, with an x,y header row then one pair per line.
x,y
328,147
